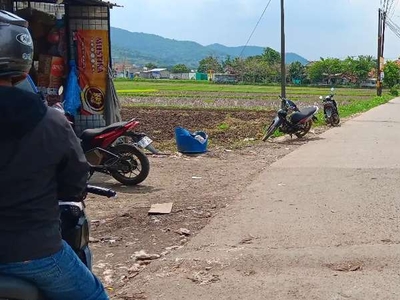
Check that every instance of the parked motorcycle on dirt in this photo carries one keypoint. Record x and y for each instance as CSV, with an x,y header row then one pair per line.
x,y
107,152
291,120
331,112
125,162
74,230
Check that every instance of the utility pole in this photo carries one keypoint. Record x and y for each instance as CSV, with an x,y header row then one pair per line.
x,y
378,69
283,51
381,47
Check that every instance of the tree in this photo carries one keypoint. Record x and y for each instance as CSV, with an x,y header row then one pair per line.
x,y
256,70
325,67
392,74
271,56
236,66
209,63
297,71
180,68
150,66
359,67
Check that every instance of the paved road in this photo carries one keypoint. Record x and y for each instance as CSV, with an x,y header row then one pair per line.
x,y
321,223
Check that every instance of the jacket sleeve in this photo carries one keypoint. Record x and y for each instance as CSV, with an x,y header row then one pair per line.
x,y
73,170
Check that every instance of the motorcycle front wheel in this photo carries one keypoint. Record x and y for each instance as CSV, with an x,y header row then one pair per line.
x,y
270,131
302,132
133,166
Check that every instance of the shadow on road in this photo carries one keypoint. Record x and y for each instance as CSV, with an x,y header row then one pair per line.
x,y
106,182
296,141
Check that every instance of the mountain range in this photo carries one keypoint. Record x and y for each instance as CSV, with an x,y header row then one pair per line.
x,y
142,48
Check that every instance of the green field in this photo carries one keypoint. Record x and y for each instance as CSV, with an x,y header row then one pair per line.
x,y
159,86
228,113
195,94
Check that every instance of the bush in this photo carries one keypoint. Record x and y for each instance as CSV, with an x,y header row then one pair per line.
x,y
394,91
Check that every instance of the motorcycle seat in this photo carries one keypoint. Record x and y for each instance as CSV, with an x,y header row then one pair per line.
x,y
91,133
302,114
17,289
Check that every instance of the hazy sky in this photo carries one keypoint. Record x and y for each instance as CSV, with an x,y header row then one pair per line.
x,y
314,28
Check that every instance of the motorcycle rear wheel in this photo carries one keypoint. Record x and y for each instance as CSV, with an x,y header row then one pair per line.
x,y
307,126
270,131
335,119
133,161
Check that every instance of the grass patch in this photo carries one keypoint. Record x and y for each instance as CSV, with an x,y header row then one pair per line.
x,y
223,126
136,91
357,106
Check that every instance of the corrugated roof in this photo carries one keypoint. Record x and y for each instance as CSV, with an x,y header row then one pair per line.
x,y
82,2
93,2
157,70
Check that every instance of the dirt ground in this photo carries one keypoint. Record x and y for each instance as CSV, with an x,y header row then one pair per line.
x,y
125,238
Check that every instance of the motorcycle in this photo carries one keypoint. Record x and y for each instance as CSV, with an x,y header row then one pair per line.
x,y
106,151
74,230
135,138
107,154
138,139
291,120
331,112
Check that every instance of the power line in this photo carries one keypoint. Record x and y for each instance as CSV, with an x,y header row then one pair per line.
x,y
395,7
391,6
251,35
393,27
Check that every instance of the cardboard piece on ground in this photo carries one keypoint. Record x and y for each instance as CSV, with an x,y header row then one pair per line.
x,y
164,208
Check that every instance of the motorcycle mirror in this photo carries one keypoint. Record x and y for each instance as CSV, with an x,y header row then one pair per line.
x,y
60,90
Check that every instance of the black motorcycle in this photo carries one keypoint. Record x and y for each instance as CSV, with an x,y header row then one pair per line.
x,y
291,120
331,112
75,231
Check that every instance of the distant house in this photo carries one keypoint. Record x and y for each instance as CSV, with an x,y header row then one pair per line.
x,y
119,70
183,76
133,71
122,70
339,78
159,73
369,83
222,78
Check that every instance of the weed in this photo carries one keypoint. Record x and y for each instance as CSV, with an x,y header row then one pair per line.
x,y
223,126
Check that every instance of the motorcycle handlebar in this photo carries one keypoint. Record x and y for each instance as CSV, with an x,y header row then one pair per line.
x,y
101,191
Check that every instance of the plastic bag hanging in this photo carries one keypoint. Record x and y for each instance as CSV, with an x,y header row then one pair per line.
x,y
72,102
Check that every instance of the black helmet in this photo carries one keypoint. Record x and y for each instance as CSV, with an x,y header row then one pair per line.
x,y
16,45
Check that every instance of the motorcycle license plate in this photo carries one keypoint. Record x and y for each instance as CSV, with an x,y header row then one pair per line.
x,y
144,142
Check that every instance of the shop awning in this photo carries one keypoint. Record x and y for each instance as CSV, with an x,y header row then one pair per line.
x,y
80,2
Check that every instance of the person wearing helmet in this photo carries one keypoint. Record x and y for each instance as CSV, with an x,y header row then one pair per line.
x,y
41,162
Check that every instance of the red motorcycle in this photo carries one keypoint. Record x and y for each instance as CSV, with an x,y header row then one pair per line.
x,y
112,150
106,154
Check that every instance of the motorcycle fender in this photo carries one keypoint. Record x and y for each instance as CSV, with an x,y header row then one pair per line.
x,y
328,112
277,122
140,139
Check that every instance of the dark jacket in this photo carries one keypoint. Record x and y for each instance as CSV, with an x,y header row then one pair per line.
x,y
41,161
